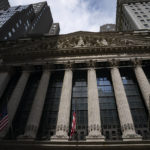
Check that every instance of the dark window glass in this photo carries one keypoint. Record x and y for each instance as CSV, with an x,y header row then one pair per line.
x,y
50,112
24,108
108,110
135,101
79,104
147,71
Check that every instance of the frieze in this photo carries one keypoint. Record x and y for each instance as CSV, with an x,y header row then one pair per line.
x,y
81,43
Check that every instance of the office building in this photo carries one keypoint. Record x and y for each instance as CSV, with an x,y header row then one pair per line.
x,y
19,21
4,5
43,19
107,27
133,15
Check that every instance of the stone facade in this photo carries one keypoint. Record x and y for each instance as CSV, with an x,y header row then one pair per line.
x,y
69,53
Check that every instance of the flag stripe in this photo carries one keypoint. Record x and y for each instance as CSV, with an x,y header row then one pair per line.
x,y
4,125
73,129
3,119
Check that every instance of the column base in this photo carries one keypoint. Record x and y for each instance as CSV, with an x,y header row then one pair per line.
x,y
25,138
59,138
132,137
95,138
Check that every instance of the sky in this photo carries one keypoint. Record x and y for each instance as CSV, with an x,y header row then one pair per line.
x,y
78,15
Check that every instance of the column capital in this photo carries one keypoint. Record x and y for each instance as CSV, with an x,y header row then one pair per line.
x,y
91,64
136,61
48,66
27,68
113,62
69,65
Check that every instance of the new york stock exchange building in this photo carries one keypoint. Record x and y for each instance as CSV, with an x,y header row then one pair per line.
x,y
102,77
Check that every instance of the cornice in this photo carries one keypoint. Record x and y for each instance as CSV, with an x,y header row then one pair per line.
x,y
76,44
35,55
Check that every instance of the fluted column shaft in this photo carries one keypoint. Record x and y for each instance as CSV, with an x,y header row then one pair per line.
x,y
126,121
15,98
64,108
37,107
143,84
4,79
94,121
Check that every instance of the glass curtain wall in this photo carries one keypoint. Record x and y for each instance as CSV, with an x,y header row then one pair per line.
x,y
51,107
79,104
20,120
108,109
136,103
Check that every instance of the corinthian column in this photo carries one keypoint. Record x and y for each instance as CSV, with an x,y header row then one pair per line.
x,y
37,107
94,121
62,127
15,98
143,82
126,121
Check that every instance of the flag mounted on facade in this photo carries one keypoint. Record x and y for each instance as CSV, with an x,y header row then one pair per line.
x,y
73,127
3,119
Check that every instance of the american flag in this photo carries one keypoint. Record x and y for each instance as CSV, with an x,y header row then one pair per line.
x,y
3,119
73,128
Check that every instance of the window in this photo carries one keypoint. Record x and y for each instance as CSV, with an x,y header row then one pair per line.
x,y
139,16
28,23
79,104
136,12
17,25
9,34
145,16
13,30
50,112
146,70
24,108
5,38
146,25
108,110
26,28
135,100
20,21
142,20
148,20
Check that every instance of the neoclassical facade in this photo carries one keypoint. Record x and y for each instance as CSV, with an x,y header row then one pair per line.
x,y
104,77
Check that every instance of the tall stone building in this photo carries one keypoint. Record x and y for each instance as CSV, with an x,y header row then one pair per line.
x,y
4,5
104,77
133,15
19,21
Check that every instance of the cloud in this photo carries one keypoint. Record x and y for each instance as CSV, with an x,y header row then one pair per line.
x,y
78,15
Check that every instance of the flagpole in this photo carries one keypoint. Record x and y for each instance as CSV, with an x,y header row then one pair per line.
x,y
75,109
149,115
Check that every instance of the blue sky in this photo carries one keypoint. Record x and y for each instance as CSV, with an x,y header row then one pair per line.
x,y
78,15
